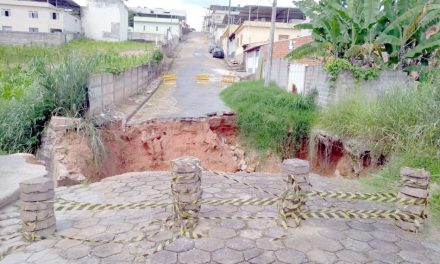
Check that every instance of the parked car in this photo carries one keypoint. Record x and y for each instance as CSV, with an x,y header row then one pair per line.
x,y
218,53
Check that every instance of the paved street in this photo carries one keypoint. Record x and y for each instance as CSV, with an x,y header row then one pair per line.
x,y
186,98
224,241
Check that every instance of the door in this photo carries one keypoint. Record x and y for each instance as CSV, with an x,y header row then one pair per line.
x,y
296,77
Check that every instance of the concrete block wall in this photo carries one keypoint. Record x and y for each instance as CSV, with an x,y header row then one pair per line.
x,y
108,89
27,38
317,78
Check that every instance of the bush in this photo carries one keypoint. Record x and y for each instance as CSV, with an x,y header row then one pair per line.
x,y
270,118
157,56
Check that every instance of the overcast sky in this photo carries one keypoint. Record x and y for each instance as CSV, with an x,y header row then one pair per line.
x,y
196,9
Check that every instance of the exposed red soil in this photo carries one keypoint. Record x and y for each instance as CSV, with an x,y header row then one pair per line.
x,y
151,147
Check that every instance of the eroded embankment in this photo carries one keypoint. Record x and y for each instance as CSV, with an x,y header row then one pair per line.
x,y
149,147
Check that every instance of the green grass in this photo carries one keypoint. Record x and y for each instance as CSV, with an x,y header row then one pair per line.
x,y
266,115
37,82
403,124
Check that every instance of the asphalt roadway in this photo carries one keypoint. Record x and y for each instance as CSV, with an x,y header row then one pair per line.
x,y
187,98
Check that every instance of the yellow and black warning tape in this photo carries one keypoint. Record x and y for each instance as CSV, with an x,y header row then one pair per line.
x,y
80,206
360,214
373,197
9,236
240,182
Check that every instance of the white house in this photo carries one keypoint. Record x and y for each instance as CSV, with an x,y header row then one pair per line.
x,y
36,16
153,25
105,20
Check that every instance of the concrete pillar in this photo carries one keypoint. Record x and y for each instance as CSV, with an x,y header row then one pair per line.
x,y
186,190
300,170
414,185
37,208
296,173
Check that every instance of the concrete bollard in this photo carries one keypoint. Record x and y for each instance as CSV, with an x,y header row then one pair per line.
x,y
37,207
296,173
414,185
186,190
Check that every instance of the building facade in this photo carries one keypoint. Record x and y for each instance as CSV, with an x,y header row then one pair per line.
x,y
105,20
37,17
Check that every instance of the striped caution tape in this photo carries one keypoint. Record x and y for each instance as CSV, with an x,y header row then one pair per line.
x,y
374,197
9,250
360,214
80,206
240,182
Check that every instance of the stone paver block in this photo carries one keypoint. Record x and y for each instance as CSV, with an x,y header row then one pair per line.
x,y
181,245
356,245
298,244
384,246
351,256
264,258
414,257
290,256
36,185
16,258
359,235
240,243
320,256
326,244
385,257
268,244
37,197
222,233
107,250
227,256
209,244
76,252
385,236
233,223
361,226
162,257
195,256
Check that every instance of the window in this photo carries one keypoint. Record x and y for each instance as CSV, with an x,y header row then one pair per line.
x,y
54,16
6,12
144,28
283,37
33,30
33,14
55,30
157,28
6,28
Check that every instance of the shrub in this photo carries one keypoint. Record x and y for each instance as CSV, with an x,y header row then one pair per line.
x,y
270,118
157,56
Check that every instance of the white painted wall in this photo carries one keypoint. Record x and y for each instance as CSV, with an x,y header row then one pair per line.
x,y
71,23
19,18
153,25
105,20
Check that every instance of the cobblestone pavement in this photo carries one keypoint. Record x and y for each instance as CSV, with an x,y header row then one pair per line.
x,y
224,241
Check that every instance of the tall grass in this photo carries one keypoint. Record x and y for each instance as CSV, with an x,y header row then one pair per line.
x,y
403,124
271,119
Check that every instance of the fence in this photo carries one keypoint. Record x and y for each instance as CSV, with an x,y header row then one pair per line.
x,y
107,89
27,38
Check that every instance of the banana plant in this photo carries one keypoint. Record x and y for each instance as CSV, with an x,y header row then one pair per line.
x,y
371,32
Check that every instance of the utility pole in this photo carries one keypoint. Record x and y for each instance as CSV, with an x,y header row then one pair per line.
x,y
229,30
271,39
